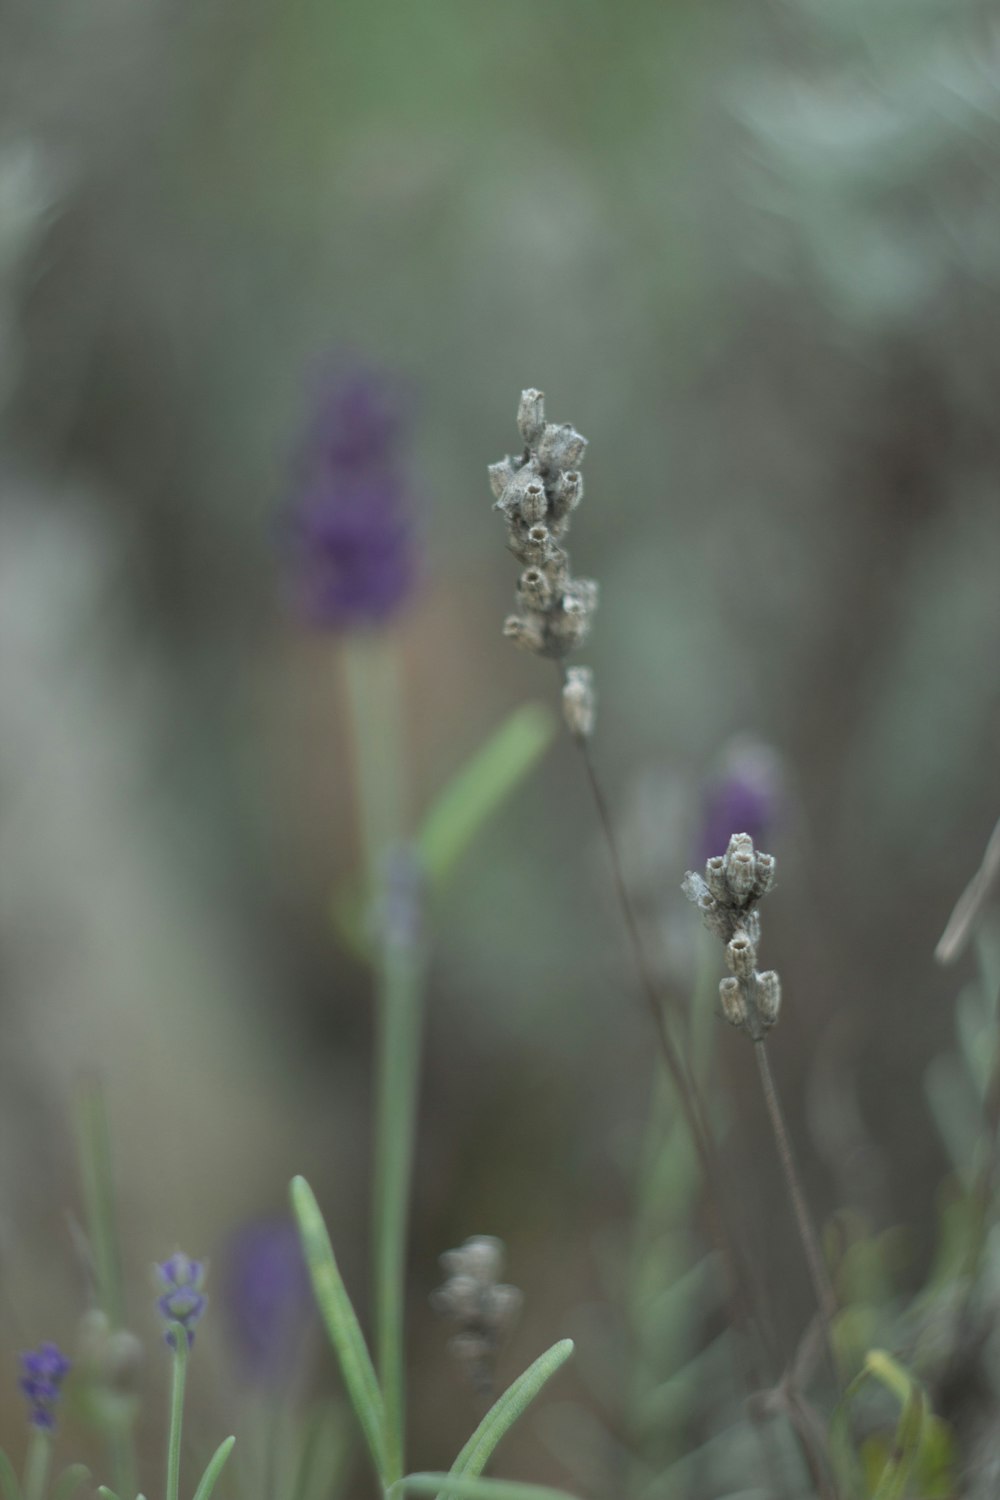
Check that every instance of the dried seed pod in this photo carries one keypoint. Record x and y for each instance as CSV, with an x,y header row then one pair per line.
x,y
567,625
560,447
741,955
526,633
503,1305
715,877
734,1007
531,416
579,702
524,495
567,491
740,867
763,873
768,995
501,475
481,1256
535,589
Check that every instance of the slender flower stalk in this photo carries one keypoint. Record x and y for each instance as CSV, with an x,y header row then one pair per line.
x,y
37,1464
393,885
180,1348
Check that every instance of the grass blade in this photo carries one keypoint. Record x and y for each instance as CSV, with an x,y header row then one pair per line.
x,y
478,790
505,1411
341,1322
463,1487
215,1466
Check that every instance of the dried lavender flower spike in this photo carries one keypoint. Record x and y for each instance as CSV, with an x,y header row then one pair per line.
x,y
182,1301
536,497
482,1308
768,997
43,1371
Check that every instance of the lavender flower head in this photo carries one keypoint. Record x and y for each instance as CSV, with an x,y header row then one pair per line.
x,y
182,1301
268,1297
350,532
744,796
42,1373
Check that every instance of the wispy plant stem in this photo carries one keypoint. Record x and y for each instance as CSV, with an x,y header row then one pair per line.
x,y
373,690
36,1467
822,1285
176,1411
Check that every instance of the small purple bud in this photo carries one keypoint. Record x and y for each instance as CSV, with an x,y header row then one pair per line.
x,y
268,1297
182,1301
42,1373
744,796
349,532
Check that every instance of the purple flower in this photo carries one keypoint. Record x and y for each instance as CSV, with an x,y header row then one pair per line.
x,y
182,1301
350,531
744,796
268,1296
42,1373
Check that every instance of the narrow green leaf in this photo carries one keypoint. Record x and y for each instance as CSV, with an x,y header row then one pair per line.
x,y
505,1411
341,1322
477,791
8,1479
462,1487
69,1481
105,1493
215,1466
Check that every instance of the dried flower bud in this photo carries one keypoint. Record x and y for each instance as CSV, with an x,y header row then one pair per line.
x,y
768,997
733,1004
525,633
501,475
524,496
741,955
764,874
567,491
715,877
534,588
481,1256
567,625
560,447
741,870
531,416
579,702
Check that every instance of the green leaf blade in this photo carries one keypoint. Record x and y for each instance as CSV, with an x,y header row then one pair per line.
x,y
505,1411
215,1466
341,1322
463,1487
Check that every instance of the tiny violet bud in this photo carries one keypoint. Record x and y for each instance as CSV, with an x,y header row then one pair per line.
x,y
182,1300
768,996
43,1371
741,955
531,416
579,702
734,1006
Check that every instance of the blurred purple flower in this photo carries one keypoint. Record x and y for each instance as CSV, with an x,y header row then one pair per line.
x,y
350,530
182,1300
42,1373
268,1297
744,796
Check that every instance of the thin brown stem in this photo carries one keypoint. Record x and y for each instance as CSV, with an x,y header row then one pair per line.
x,y
822,1286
